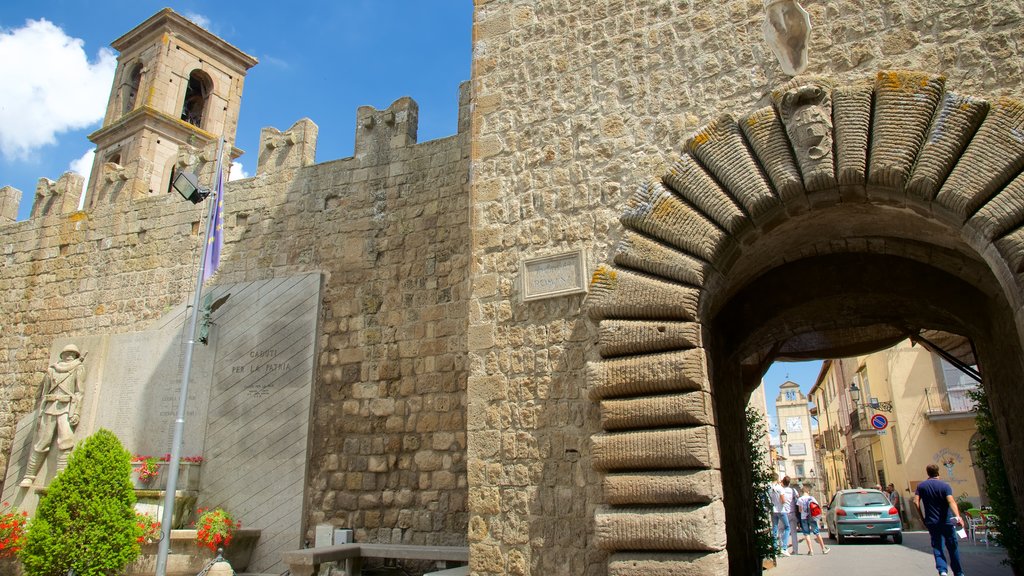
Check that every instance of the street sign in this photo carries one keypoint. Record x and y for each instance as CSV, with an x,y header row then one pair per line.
x,y
880,432
879,422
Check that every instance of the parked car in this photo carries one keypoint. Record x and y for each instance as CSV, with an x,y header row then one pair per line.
x,y
862,512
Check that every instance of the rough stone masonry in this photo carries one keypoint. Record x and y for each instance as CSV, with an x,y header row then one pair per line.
x,y
581,434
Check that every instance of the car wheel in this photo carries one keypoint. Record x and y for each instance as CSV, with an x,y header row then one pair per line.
x,y
840,539
897,538
882,538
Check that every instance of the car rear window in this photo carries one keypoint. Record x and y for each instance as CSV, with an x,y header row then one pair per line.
x,y
863,499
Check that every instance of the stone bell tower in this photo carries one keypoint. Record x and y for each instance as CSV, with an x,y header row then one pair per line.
x,y
177,90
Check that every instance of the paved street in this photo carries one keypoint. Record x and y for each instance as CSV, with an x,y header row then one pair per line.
x,y
868,556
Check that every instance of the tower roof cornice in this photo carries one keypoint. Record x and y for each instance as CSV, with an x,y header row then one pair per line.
x,y
168,21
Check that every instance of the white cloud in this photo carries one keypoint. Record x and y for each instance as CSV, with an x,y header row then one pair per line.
x,y
83,166
275,61
237,171
50,86
198,19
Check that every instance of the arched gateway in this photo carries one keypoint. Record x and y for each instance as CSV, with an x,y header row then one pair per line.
x,y
833,221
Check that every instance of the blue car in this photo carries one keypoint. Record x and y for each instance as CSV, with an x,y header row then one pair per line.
x,y
863,512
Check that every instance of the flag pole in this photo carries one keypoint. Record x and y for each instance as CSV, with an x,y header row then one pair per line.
x,y
179,423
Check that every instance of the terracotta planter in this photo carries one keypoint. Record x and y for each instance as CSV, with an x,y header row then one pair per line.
x,y
187,557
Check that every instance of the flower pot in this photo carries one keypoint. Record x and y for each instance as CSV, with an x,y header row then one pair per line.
x,y
188,477
187,557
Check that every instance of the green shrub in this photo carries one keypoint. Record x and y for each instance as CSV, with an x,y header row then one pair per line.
x,y
762,476
1000,495
963,502
86,520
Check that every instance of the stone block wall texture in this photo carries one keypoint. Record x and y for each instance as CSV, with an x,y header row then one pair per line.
x,y
387,229
578,104
447,410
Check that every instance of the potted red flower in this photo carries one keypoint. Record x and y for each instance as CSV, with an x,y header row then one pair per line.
x,y
149,528
215,528
148,472
12,531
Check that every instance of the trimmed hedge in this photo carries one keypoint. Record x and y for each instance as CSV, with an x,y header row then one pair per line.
x,y
86,521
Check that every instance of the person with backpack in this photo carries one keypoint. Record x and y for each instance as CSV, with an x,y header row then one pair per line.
x,y
810,512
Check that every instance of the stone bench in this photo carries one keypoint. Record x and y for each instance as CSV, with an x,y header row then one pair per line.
x,y
307,562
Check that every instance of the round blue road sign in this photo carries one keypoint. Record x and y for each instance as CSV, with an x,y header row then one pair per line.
x,y
879,422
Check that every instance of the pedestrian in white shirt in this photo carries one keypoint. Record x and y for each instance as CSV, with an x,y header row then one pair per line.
x,y
789,508
781,507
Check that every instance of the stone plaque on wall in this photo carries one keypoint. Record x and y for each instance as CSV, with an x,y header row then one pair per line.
x,y
248,408
140,390
258,409
555,275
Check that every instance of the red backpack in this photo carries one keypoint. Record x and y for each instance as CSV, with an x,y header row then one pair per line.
x,y
814,508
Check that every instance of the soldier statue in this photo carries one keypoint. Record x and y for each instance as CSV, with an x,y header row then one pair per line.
x,y
59,411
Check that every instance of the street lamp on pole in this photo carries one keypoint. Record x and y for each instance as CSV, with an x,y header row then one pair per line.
x,y
782,451
187,185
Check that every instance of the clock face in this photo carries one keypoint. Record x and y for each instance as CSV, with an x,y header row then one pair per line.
x,y
794,424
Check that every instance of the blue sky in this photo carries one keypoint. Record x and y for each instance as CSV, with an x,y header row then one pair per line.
x,y
318,59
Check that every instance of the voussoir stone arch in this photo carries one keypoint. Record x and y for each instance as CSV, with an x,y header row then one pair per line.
x,y
874,155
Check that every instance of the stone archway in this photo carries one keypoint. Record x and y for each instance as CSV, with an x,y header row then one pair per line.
x,y
835,219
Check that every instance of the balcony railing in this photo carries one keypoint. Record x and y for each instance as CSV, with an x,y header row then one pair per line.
x,y
859,423
954,403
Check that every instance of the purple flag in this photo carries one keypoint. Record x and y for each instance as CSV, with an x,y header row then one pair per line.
x,y
216,240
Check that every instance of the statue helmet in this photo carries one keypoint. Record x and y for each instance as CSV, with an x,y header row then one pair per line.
x,y
71,348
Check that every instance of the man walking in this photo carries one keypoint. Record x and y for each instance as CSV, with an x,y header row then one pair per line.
x,y
780,514
894,499
794,516
934,502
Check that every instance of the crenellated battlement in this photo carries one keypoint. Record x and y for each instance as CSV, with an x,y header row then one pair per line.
x,y
377,134
10,199
380,131
60,197
293,148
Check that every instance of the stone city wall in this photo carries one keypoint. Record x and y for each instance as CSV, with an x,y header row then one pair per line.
x,y
576,104
387,229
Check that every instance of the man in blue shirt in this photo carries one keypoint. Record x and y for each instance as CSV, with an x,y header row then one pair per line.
x,y
934,501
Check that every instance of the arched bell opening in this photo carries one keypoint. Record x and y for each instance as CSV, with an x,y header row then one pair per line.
x,y
196,100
